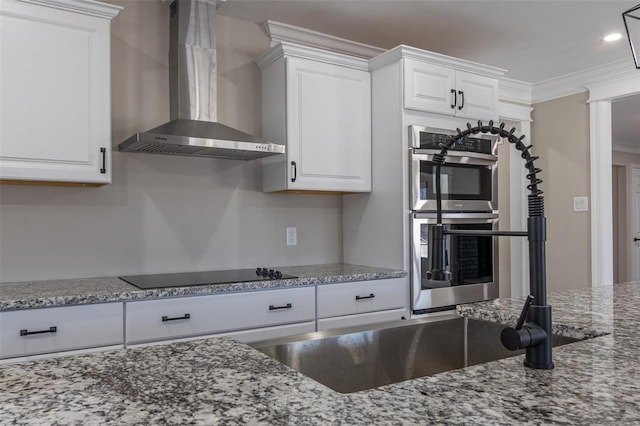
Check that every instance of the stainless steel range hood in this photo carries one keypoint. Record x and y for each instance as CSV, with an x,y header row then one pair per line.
x,y
193,130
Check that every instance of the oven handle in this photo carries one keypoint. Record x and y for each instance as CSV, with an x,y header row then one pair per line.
x,y
456,156
470,217
482,233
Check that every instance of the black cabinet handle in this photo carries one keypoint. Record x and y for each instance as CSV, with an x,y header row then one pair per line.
x,y
636,239
455,98
26,332
295,171
370,296
462,96
287,306
166,318
104,160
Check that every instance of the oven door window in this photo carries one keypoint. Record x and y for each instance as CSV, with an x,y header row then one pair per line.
x,y
458,182
468,258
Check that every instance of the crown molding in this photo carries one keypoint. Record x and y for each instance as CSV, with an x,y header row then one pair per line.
x,y
85,7
284,33
515,91
294,50
403,51
514,112
582,81
626,146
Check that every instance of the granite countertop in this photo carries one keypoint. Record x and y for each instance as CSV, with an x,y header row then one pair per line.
x,y
220,380
39,294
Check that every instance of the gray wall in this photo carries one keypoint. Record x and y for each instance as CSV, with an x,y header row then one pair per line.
x,y
165,213
560,134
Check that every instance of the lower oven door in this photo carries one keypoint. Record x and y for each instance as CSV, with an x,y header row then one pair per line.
x,y
471,260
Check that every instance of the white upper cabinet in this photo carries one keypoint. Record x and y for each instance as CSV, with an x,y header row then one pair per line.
x,y
476,96
55,113
445,90
440,84
319,105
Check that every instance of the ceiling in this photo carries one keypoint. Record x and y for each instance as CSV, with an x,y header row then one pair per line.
x,y
534,40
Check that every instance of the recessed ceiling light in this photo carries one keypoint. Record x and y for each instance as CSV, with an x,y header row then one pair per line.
x,y
612,37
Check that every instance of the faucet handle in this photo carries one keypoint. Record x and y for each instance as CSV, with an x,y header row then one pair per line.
x,y
525,311
522,336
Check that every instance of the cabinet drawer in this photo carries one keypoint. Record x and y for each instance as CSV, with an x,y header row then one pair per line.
x,y
191,316
362,296
38,331
362,319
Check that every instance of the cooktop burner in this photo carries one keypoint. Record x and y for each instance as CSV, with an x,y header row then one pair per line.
x,y
186,279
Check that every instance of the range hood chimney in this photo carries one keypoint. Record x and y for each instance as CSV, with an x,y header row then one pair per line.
x,y
193,130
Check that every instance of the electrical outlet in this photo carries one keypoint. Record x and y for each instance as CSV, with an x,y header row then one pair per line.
x,y
580,204
292,237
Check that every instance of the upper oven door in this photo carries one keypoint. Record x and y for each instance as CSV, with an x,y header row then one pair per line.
x,y
467,183
469,176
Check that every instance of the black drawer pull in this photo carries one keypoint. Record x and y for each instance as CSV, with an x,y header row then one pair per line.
x,y
166,318
370,296
26,332
287,306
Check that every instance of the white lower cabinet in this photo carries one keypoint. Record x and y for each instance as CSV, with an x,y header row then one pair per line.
x,y
363,302
165,319
246,316
47,330
362,319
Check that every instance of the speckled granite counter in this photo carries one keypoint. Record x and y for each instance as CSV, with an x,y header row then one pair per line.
x,y
216,381
39,294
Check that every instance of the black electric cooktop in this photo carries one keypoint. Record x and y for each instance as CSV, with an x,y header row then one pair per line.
x,y
186,279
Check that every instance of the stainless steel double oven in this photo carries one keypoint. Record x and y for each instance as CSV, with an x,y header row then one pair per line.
x,y
469,188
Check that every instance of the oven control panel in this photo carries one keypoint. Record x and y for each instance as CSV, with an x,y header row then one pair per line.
x,y
431,140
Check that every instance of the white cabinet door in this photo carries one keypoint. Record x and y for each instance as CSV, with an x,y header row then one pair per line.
x,y
429,87
328,126
442,90
55,113
477,96
321,111
48,330
153,320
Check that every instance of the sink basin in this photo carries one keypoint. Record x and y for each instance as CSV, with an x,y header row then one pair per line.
x,y
357,358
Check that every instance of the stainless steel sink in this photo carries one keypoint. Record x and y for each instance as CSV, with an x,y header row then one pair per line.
x,y
358,358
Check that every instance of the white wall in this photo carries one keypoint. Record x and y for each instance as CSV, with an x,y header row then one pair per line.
x,y
166,213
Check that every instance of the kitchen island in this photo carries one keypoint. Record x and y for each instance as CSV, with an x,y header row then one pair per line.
x,y
219,380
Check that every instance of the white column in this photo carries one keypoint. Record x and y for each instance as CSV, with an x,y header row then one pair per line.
x,y
601,208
